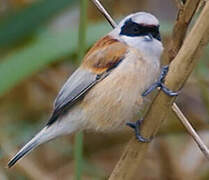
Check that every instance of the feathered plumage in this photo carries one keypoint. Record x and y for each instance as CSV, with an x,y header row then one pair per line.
x,y
105,91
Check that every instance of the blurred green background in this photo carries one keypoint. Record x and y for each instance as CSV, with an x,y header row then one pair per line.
x,y
39,48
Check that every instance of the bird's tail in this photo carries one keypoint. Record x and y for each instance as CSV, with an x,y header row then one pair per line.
x,y
40,138
46,134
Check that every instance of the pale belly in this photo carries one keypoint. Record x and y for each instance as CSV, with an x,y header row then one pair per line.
x,y
110,106
117,99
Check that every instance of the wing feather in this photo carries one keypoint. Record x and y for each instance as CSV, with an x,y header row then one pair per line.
x,y
102,58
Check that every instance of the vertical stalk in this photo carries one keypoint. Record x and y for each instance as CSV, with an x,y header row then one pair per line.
x,y
78,150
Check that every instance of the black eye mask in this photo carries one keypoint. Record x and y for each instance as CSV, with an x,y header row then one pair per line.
x,y
133,29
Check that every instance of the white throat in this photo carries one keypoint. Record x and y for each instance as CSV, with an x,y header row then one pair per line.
x,y
150,48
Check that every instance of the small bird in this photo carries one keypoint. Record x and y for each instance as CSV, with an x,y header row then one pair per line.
x,y
107,90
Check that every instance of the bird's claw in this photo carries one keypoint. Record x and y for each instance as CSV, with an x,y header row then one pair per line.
x,y
160,83
136,126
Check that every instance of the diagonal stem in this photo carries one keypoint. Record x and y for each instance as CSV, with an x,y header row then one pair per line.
x,y
175,108
104,13
180,69
191,130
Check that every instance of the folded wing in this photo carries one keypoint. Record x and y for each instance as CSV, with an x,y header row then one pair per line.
x,y
101,59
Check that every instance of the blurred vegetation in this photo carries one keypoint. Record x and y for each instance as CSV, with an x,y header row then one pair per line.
x,y
39,45
21,24
78,146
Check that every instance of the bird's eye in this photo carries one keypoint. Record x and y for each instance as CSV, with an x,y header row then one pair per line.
x,y
133,29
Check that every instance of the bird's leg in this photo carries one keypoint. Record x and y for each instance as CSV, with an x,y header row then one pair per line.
x,y
136,126
160,83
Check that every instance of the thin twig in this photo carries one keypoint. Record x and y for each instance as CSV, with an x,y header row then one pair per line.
x,y
105,13
192,165
175,108
179,4
190,130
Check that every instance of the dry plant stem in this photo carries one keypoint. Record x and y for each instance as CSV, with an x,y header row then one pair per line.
x,y
184,17
180,69
179,4
195,164
172,125
191,131
105,13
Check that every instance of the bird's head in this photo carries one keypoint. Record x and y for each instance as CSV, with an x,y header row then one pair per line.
x,y
140,30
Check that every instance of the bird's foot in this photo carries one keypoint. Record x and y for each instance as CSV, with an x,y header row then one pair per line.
x,y
160,83
136,126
